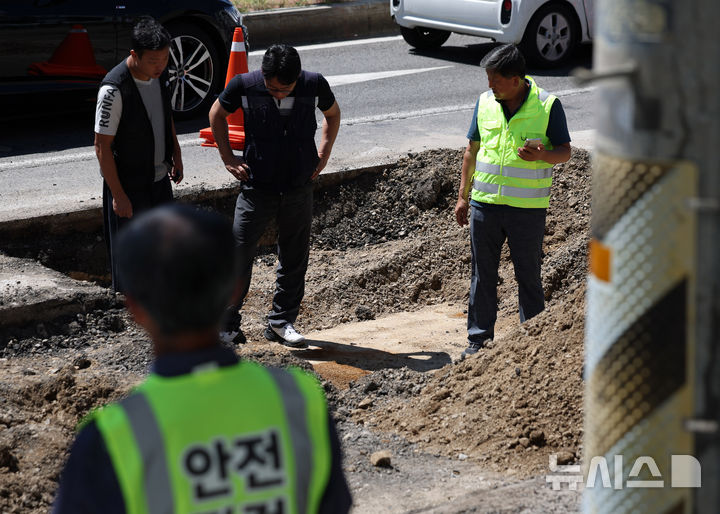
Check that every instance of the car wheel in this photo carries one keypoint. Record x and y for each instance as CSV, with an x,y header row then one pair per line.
x,y
423,38
551,36
195,70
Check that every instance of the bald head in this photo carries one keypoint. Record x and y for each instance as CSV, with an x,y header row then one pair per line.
x,y
177,262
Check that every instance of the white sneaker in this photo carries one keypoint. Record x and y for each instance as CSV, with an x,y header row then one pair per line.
x,y
233,337
286,335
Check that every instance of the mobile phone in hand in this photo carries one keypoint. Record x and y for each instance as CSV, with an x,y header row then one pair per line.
x,y
533,142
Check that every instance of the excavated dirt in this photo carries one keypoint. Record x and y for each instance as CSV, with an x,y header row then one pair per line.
x,y
382,244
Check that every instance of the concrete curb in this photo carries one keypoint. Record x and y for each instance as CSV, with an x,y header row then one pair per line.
x,y
55,294
90,219
348,20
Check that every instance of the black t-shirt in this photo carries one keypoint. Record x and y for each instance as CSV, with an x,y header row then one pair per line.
x,y
231,97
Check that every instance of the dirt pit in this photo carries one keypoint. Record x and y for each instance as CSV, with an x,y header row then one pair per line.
x,y
385,312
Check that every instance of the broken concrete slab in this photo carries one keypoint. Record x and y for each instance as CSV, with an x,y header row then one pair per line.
x,y
30,292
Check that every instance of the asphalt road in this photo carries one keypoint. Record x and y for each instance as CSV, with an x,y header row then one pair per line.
x,y
393,99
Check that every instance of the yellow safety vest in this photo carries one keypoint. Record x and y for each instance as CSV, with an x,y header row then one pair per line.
x,y
501,177
221,440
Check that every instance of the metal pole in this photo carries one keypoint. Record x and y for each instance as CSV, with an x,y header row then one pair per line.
x,y
653,326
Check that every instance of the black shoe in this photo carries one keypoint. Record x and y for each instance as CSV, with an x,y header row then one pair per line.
x,y
230,331
472,349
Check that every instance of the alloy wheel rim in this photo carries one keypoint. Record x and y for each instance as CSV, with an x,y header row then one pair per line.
x,y
191,72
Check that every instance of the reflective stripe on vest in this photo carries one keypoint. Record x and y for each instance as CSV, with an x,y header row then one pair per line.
x,y
139,439
294,403
485,187
150,442
518,192
501,176
508,171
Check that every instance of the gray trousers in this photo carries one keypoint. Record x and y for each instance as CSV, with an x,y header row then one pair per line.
x,y
292,211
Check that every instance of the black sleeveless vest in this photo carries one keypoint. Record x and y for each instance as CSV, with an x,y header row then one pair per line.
x,y
280,150
134,144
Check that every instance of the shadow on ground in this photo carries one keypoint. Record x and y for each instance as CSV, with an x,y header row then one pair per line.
x,y
371,359
472,54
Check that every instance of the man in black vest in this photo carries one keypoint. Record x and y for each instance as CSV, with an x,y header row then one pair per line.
x,y
135,140
280,161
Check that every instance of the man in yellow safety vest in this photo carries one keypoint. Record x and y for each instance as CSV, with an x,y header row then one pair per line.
x,y
204,432
518,132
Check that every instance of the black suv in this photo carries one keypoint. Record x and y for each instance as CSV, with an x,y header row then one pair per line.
x,y
52,47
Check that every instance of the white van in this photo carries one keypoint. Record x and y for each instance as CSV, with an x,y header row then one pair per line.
x,y
546,31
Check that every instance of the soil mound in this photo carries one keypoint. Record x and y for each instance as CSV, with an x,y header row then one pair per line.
x,y
519,400
381,244
510,406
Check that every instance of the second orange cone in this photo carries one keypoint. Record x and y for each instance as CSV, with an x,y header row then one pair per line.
x,y
72,58
238,64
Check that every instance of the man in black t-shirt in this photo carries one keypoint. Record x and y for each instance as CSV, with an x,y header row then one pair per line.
x,y
277,168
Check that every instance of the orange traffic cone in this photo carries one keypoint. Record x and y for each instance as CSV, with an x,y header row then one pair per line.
x,y
238,64
72,58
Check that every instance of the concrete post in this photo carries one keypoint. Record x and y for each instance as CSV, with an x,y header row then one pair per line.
x,y
653,326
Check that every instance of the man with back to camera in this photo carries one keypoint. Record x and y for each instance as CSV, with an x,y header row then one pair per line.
x,y
280,161
204,432
135,140
517,134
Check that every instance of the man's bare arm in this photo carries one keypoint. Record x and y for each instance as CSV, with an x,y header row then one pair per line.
x,y
103,151
466,174
218,123
176,172
330,128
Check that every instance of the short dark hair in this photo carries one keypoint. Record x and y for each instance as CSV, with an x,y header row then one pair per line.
x,y
148,34
178,263
507,60
281,62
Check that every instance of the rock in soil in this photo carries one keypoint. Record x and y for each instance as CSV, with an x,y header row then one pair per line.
x,y
381,459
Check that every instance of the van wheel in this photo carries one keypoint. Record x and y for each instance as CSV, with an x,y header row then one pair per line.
x,y
423,38
551,36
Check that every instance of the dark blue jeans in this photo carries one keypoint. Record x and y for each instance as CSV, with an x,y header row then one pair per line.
x,y
292,211
490,226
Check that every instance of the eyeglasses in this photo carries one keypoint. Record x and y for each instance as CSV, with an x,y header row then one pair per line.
x,y
287,90
275,90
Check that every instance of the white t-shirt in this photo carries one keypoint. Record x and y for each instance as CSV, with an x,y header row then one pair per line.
x,y
109,109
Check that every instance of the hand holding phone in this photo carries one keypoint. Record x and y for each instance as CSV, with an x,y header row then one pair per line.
x,y
533,142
